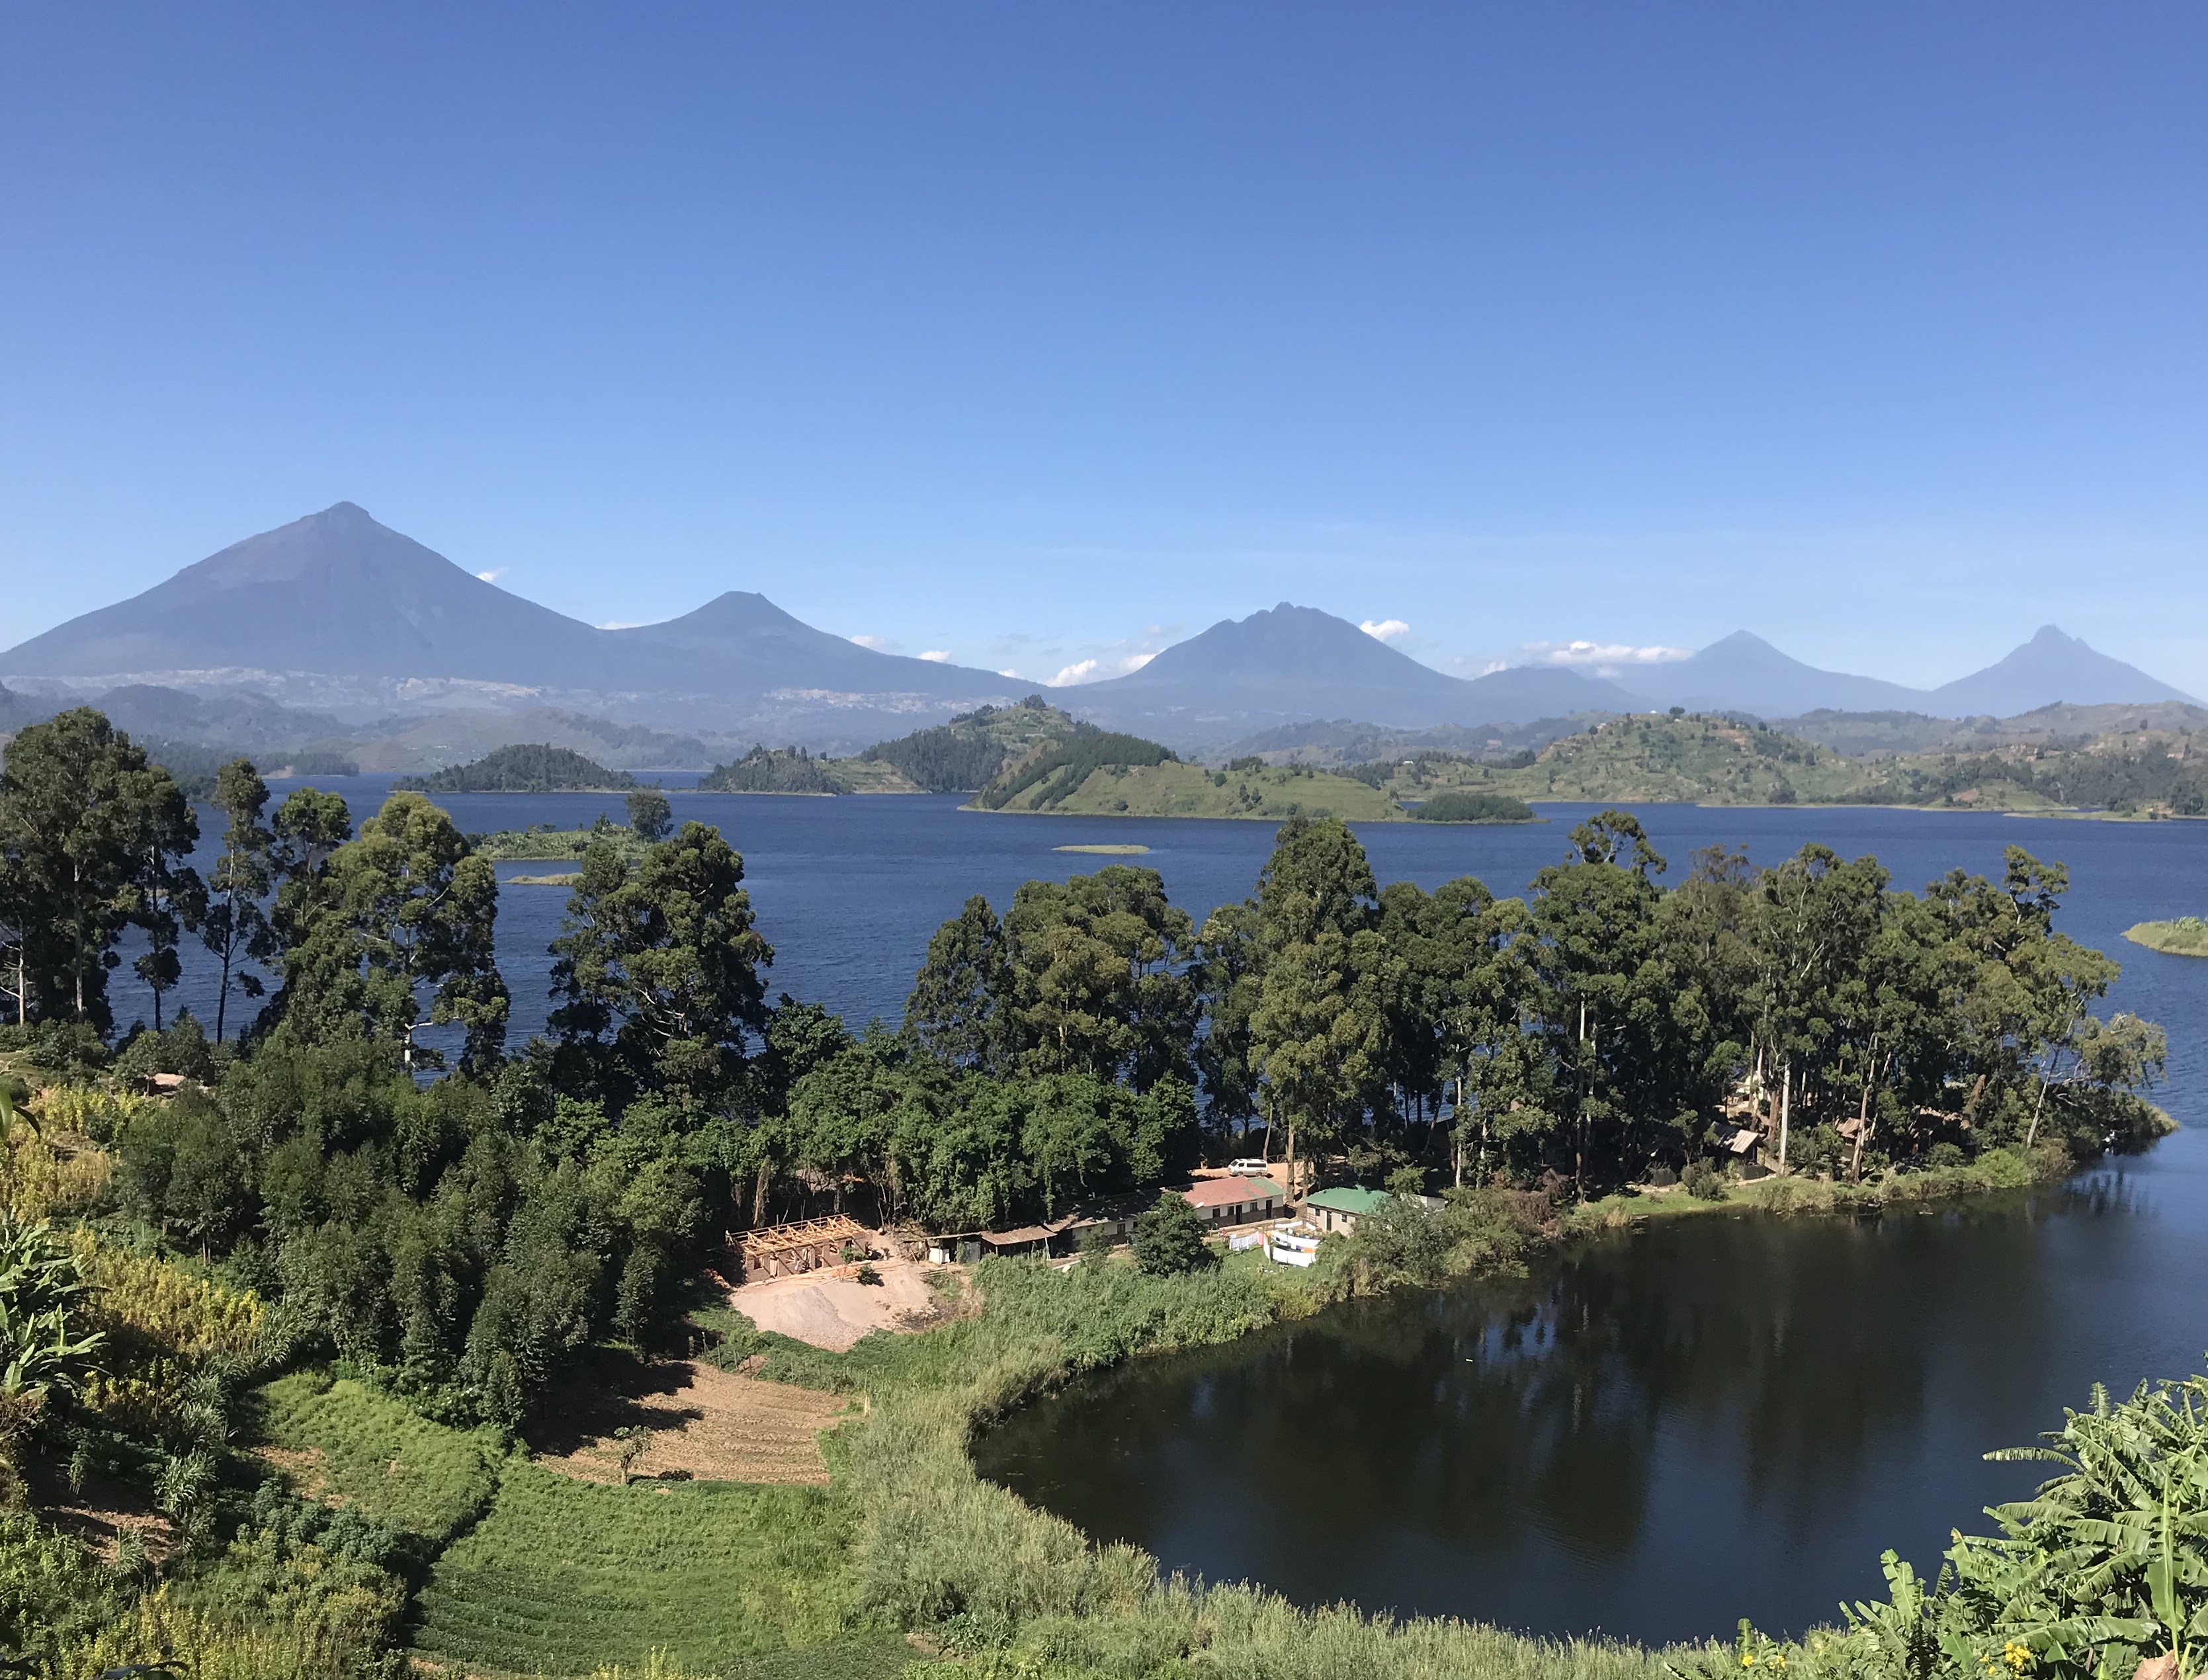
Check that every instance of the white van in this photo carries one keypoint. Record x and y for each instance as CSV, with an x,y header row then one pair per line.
x,y
1250,1167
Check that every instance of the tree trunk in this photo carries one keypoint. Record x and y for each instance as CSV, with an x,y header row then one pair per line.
x,y
1785,1109
1863,1119
759,1196
2038,1107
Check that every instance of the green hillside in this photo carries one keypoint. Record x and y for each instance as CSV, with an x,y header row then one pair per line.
x,y
970,753
1171,789
766,770
522,769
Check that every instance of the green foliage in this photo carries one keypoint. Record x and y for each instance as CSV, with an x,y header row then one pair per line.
x,y
563,1576
651,817
521,769
347,1442
657,969
46,1341
968,753
407,908
765,771
1046,778
91,841
1473,807
1168,1238
2105,1564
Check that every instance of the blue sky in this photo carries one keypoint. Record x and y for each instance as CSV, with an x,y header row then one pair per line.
x,y
1039,334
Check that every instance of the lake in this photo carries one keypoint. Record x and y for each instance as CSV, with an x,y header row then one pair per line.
x,y
1655,1434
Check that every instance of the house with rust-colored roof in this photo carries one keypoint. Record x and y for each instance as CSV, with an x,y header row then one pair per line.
x,y
1235,1201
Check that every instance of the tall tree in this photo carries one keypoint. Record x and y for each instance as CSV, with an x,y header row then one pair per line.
x,y
235,926
959,995
659,968
650,815
408,907
1096,982
90,829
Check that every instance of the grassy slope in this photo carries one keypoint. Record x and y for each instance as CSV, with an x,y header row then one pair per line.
x,y
370,1450
564,1576
2186,936
1705,760
1190,790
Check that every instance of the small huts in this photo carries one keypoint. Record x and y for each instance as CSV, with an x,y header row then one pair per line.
x,y
1339,1210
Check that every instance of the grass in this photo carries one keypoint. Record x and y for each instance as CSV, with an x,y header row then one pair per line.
x,y
347,1442
564,1576
2186,936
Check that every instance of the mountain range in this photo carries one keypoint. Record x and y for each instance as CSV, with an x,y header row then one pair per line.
x,y
341,614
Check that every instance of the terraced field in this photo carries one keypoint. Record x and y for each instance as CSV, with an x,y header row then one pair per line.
x,y
350,1445
563,1577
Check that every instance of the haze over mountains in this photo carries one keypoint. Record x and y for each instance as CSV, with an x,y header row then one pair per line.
x,y
337,612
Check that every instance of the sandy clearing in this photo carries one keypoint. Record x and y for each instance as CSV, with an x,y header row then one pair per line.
x,y
832,1309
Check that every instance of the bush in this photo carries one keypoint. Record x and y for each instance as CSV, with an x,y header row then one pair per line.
x,y
1703,1180
1168,1238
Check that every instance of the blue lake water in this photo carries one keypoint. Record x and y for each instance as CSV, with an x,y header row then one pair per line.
x,y
1654,1434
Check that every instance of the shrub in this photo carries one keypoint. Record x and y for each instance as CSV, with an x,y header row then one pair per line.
x,y
1704,1181
1168,1238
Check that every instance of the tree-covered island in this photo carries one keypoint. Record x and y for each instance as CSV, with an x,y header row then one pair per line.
x,y
287,1307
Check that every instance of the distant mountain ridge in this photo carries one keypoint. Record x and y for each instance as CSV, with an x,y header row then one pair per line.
x,y
1291,664
340,615
1743,672
339,611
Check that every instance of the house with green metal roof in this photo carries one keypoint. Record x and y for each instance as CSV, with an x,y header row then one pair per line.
x,y
1340,1209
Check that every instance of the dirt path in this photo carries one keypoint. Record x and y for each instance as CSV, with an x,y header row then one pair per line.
x,y
712,1424
832,1309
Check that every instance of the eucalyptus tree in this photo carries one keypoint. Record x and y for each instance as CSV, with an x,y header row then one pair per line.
x,y
956,1008
1601,988
660,970
408,907
650,816
1095,977
94,835
235,926
1811,921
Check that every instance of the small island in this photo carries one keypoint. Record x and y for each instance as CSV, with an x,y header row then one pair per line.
x,y
2185,936
1474,808
522,769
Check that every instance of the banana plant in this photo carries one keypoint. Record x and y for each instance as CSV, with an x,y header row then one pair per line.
x,y
43,1342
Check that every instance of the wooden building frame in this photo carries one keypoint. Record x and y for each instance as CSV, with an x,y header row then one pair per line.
x,y
807,1245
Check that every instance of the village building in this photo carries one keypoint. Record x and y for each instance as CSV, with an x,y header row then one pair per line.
x,y
1235,1201
1339,1210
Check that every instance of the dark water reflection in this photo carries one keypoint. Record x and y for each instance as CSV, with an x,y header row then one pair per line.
x,y
1655,1434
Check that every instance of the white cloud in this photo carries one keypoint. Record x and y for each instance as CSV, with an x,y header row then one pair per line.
x,y
1015,675
1080,671
879,644
1385,629
1135,662
624,624
938,655
1603,653
492,576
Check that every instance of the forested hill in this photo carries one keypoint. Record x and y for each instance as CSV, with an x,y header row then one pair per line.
x,y
522,769
1723,760
968,752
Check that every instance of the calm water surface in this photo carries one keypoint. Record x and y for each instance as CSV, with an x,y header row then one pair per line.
x,y
1653,1434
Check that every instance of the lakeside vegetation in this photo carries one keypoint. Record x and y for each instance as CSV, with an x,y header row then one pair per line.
x,y
292,1317
2184,936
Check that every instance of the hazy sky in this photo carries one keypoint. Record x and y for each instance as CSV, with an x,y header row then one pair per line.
x,y
1038,334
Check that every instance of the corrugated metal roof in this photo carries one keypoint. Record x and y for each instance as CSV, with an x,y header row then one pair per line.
x,y
1231,1192
1347,1199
